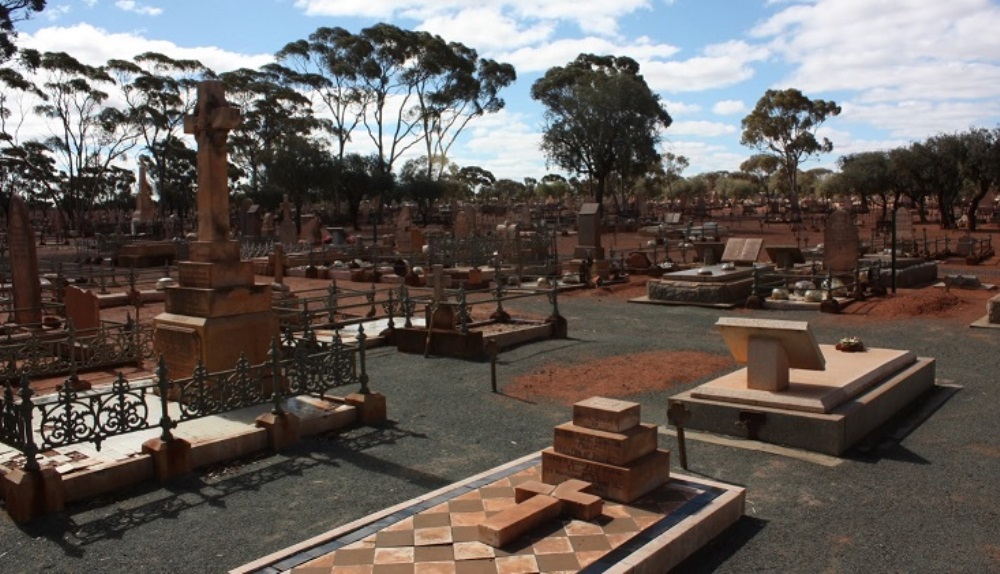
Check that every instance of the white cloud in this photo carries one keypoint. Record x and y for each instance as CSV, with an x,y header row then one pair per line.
x,y
729,107
704,157
487,29
53,13
143,9
701,128
90,3
95,46
719,65
504,143
918,119
676,108
591,16
560,52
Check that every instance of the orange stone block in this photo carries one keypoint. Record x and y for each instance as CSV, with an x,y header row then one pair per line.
x,y
605,414
619,448
509,525
618,483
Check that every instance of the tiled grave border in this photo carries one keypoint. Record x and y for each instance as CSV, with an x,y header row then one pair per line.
x,y
330,542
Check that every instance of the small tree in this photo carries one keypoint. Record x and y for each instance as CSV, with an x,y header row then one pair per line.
x,y
783,125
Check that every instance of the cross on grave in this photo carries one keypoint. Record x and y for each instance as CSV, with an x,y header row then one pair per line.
x,y
214,117
538,503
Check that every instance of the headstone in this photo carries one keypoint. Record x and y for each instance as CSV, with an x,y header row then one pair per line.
x,y
588,224
286,228
904,224
82,307
21,249
145,210
217,313
460,227
841,245
993,310
742,250
267,225
404,219
770,347
311,231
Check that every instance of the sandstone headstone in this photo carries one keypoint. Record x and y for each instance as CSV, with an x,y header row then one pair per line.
x,y
841,245
588,224
742,250
311,231
993,310
904,224
82,307
769,347
460,227
24,268
145,210
286,228
405,218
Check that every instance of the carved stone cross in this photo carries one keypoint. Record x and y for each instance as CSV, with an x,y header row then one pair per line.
x,y
538,503
214,117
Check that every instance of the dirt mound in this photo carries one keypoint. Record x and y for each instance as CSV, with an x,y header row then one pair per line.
x,y
923,302
617,377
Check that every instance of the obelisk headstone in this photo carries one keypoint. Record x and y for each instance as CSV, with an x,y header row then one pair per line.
x,y
24,264
841,245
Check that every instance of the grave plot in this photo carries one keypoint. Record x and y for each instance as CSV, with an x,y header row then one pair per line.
x,y
450,329
601,500
796,392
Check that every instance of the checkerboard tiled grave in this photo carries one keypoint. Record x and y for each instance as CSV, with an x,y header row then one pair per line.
x,y
443,532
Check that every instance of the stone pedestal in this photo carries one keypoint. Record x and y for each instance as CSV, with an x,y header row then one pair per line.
x,y
371,407
607,446
215,313
29,494
283,430
170,458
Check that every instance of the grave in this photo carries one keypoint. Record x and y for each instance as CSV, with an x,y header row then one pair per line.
x,y
217,312
841,245
588,223
520,517
145,210
798,393
82,307
725,284
287,233
24,275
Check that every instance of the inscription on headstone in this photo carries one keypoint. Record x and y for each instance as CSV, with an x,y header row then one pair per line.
x,y
742,250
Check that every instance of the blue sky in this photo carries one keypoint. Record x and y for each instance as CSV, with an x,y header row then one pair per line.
x,y
902,70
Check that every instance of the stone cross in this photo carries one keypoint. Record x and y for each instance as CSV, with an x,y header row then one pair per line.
x,y
214,117
538,503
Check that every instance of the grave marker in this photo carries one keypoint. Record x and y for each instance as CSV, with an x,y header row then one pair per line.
x,y
742,250
82,307
21,247
841,244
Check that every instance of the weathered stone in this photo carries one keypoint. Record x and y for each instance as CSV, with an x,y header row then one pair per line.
x,y
606,414
614,482
602,446
82,307
21,249
993,309
742,250
841,245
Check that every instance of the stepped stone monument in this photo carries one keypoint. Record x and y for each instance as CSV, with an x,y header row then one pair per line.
x,y
217,311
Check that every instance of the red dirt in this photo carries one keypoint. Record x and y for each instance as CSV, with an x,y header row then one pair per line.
x,y
618,377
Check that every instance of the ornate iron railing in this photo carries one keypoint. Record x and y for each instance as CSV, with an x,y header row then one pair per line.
x,y
45,353
298,365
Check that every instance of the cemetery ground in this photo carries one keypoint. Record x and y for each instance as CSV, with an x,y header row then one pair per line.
x,y
919,495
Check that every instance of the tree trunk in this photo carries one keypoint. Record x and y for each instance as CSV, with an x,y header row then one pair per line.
x,y
984,188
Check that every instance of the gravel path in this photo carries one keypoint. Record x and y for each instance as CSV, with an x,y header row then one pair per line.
x,y
926,503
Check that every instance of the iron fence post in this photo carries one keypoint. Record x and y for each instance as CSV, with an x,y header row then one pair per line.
x,y
276,408
164,386
30,449
363,375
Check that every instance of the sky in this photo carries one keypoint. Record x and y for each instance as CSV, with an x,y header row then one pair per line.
x,y
902,70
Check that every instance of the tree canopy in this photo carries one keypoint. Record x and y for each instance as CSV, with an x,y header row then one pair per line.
x,y
783,125
601,118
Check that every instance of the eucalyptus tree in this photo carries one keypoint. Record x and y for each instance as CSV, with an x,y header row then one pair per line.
x,y
871,175
12,12
274,112
600,117
88,134
784,125
980,166
328,66
301,169
159,91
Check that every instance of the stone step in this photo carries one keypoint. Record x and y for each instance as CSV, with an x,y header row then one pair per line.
x,y
600,413
603,446
612,482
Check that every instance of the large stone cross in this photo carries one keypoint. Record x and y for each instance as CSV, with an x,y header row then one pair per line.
x,y
210,124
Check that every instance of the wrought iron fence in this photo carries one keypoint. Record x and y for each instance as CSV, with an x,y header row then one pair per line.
x,y
44,352
527,250
299,364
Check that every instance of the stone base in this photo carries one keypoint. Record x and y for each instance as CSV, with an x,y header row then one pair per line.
x,y
283,430
830,432
700,293
170,458
28,495
217,341
612,482
371,408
